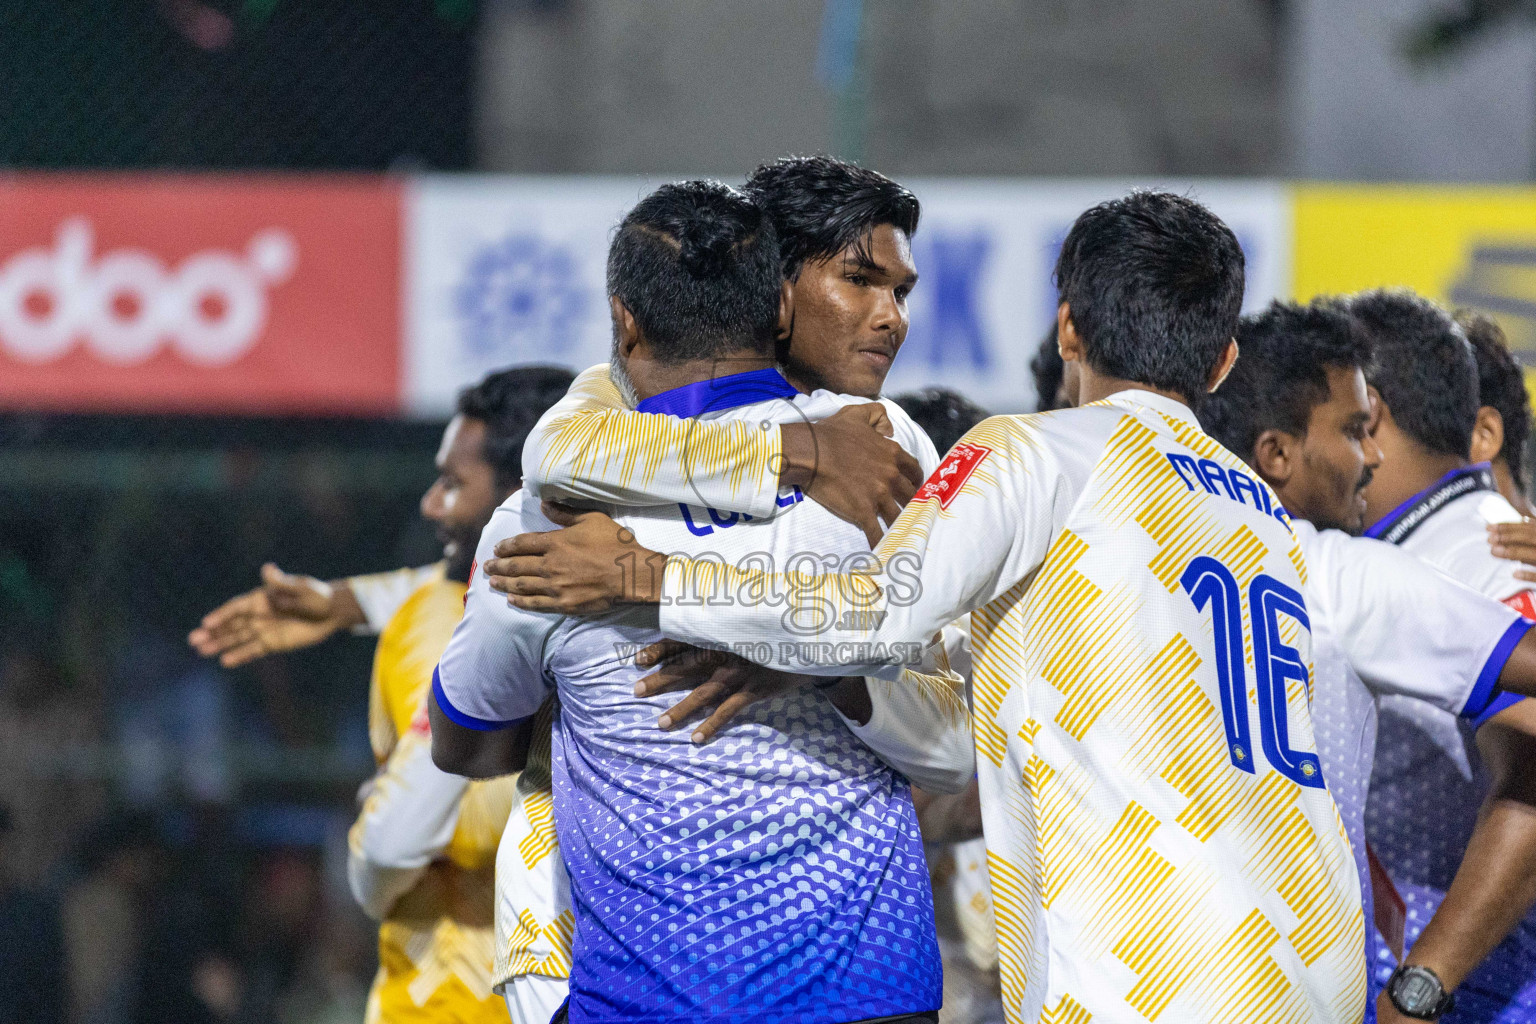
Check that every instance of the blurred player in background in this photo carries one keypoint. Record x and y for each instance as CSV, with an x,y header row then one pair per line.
x,y
1429,781
1383,622
1095,565
1504,417
791,792
424,847
1055,379
945,415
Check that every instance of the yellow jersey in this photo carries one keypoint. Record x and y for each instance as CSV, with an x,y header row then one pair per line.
x,y
436,941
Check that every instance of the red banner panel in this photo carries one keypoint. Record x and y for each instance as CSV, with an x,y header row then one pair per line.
x,y
249,294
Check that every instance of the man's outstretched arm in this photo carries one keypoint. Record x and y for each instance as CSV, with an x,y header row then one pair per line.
x,y
290,612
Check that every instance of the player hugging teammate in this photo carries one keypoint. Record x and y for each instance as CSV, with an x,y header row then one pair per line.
x,y
1225,655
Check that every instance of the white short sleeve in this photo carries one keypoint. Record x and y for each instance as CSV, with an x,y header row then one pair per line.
x,y
1405,627
492,674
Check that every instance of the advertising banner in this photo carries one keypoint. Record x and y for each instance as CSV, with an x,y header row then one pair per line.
x,y
502,271
307,294
511,270
137,293
986,250
1462,246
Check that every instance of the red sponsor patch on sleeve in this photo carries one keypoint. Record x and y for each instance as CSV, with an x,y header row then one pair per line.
x,y
952,473
1524,603
422,723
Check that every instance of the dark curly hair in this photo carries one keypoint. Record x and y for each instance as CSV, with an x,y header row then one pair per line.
x,y
1048,369
697,263
821,205
1281,372
945,416
1500,386
1423,367
509,402
1155,284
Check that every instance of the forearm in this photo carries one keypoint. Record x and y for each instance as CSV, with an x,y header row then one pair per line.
x,y
406,822
834,625
1495,886
346,609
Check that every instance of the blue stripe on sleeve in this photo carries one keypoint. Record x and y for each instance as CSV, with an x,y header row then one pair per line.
x,y
1500,701
458,717
1485,693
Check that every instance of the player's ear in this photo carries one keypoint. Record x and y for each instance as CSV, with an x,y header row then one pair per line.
x,y
786,310
1487,435
1223,365
1378,409
1274,458
626,329
1067,341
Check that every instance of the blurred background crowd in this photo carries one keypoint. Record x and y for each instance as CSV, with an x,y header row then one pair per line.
x,y
172,834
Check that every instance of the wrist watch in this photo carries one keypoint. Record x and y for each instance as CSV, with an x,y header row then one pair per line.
x,y
1418,993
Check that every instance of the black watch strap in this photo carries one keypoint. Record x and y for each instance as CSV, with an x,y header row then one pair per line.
x,y
1417,992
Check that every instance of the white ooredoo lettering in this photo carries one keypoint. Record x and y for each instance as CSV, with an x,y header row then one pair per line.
x,y
127,303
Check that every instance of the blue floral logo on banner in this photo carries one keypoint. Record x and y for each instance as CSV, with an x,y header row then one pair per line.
x,y
521,297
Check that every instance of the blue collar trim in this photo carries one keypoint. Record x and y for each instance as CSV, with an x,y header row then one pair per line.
x,y
1395,526
718,393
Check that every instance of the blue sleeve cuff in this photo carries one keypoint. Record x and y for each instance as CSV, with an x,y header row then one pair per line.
x,y
1501,700
458,717
1486,699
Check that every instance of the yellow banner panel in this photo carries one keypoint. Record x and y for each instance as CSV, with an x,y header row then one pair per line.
x,y
1460,246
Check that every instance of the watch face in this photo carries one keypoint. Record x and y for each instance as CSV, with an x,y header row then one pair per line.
x,y
1416,993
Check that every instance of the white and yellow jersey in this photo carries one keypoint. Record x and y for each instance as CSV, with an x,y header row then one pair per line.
x,y
422,852
1161,843
534,920
591,445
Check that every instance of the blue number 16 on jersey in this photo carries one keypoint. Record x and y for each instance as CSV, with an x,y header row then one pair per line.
x,y
1211,584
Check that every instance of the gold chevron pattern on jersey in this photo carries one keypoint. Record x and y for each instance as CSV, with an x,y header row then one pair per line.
x,y
540,840
1137,875
535,924
602,436
534,920
529,936
437,948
